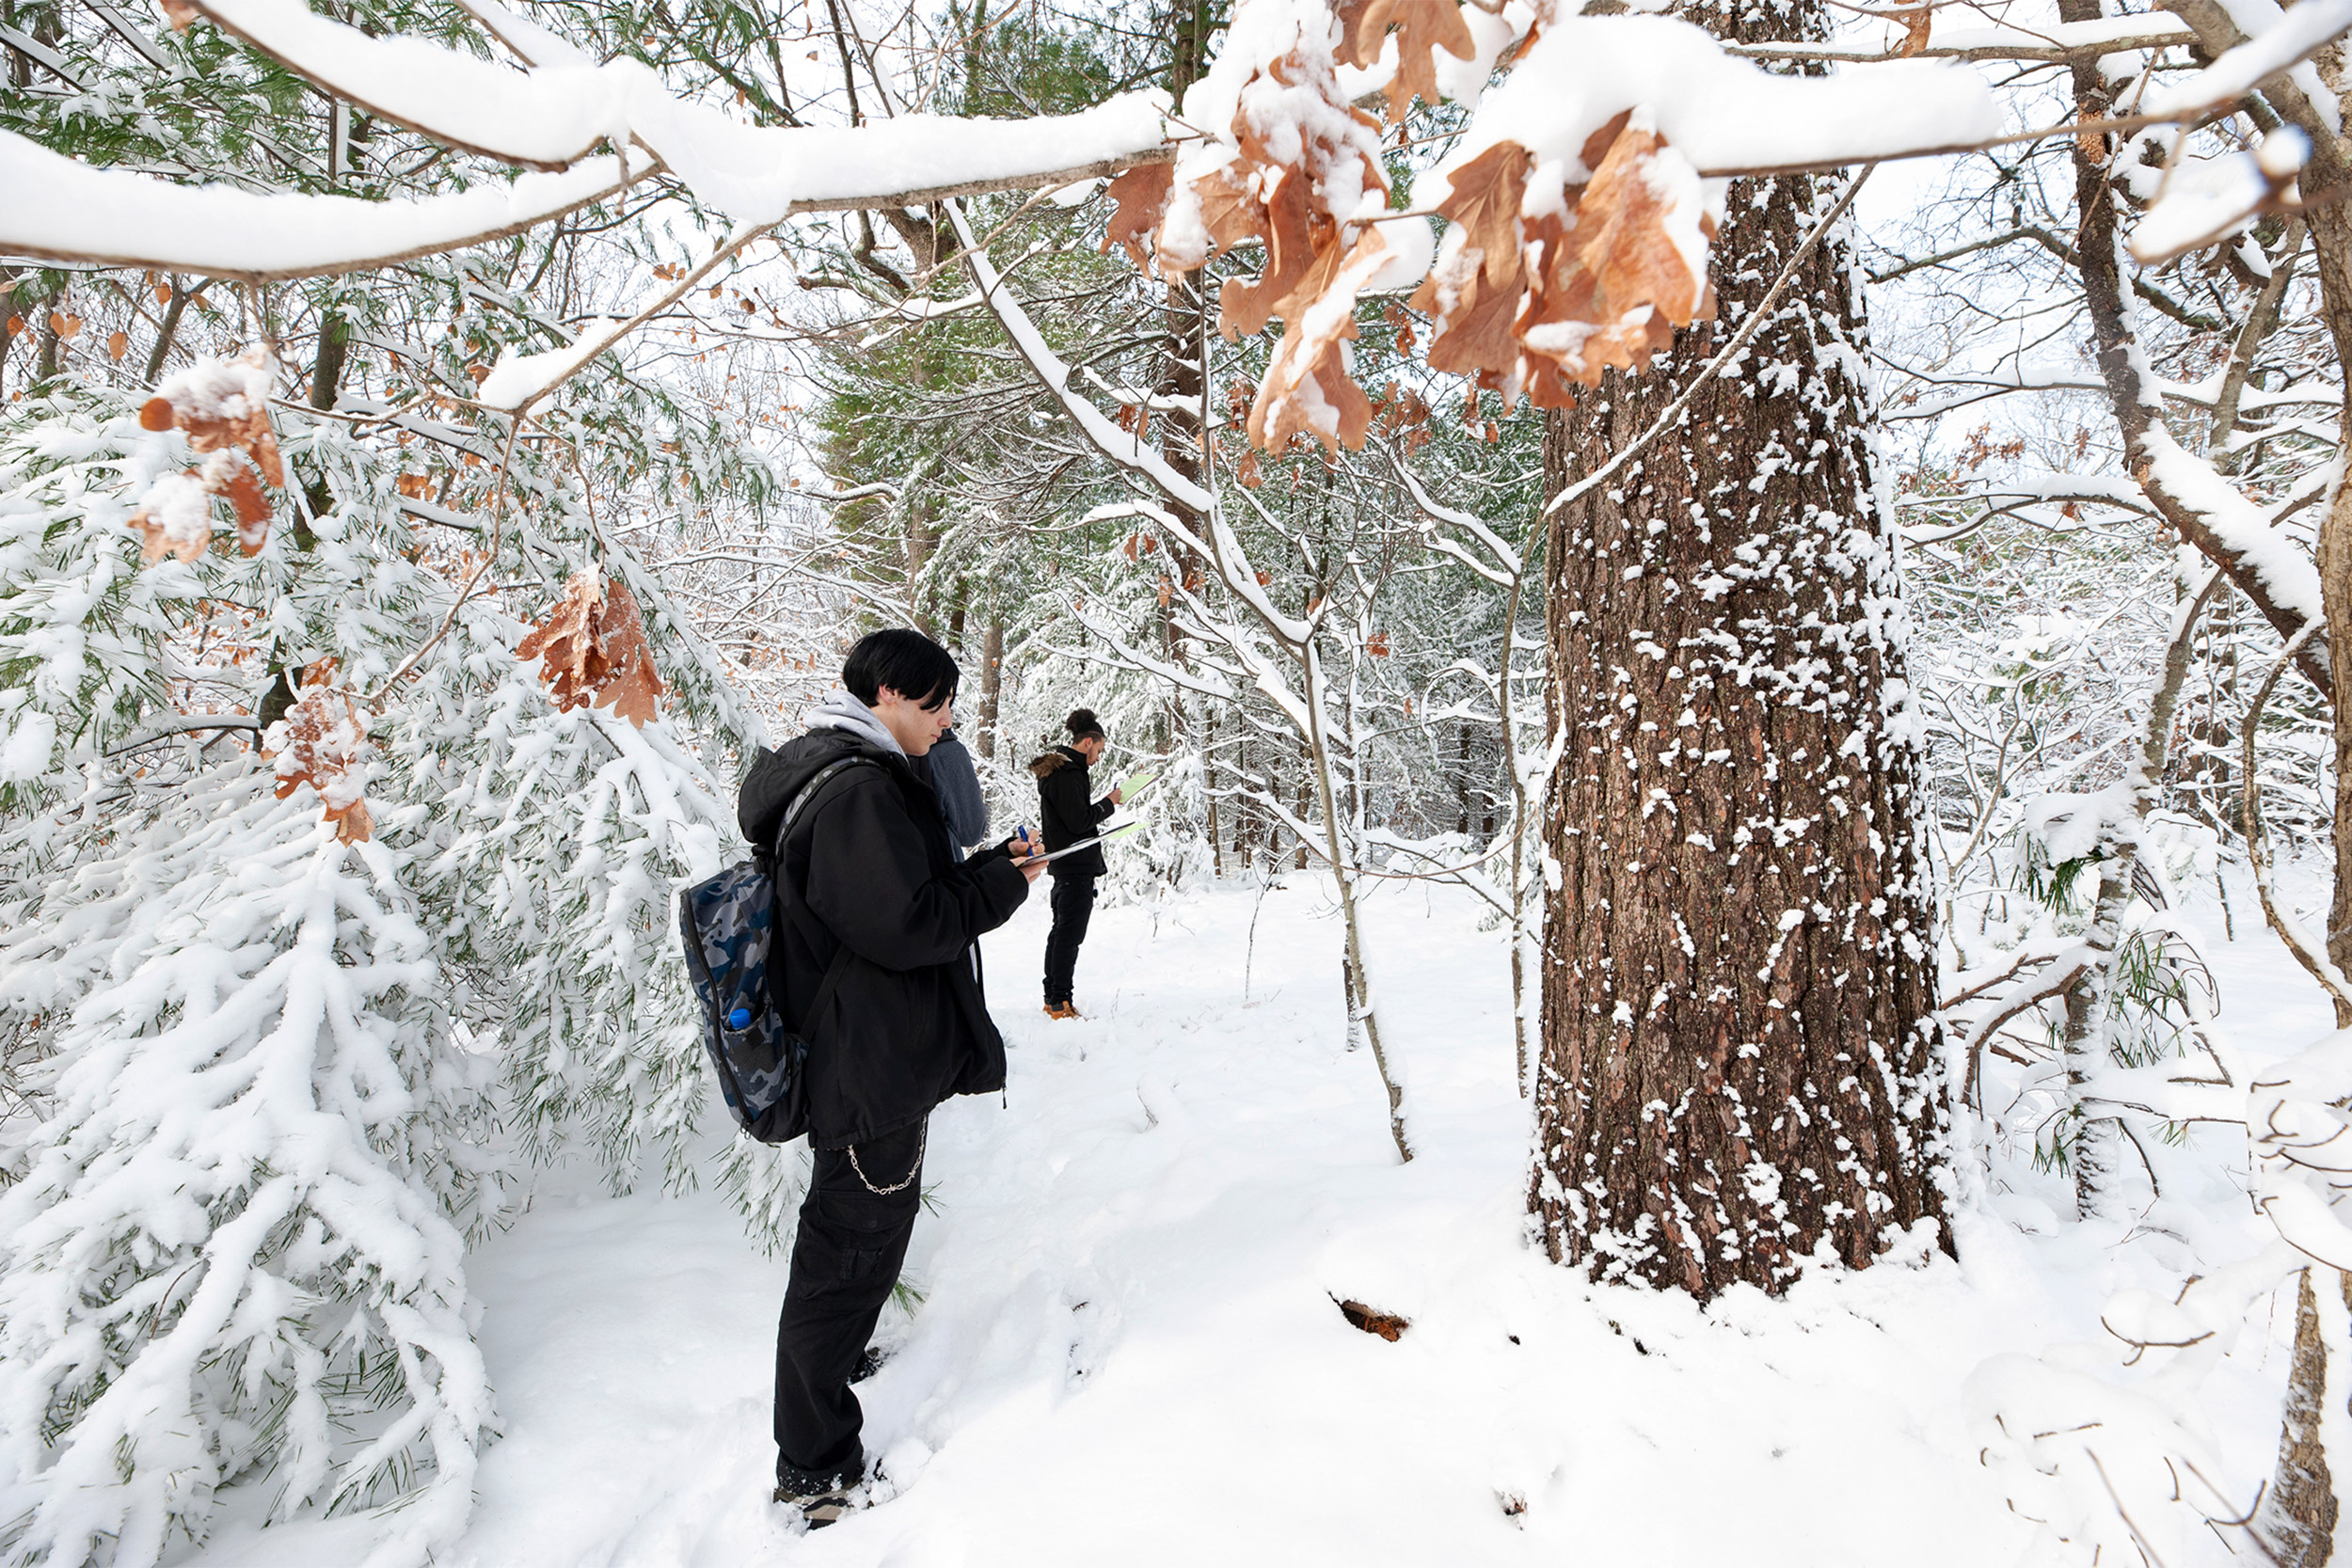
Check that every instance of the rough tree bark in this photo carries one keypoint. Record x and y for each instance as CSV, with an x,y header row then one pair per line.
x,y
1737,1066
2298,1522
917,540
1179,385
991,682
45,363
170,331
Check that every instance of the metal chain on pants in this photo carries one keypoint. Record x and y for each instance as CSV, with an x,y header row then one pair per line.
x,y
899,1186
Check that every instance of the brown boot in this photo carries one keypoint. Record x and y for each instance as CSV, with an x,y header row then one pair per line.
x,y
1060,1010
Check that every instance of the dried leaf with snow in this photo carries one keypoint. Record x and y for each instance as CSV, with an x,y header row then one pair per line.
x,y
1422,26
174,517
1541,293
1474,290
223,408
1297,169
1917,24
1306,390
230,473
221,404
322,742
1142,194
594,650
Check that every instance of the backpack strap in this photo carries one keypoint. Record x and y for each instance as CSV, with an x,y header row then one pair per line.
x,y
800,799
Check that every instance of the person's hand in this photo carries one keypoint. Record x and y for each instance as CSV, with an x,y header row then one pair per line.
x,y
1026,853
1117,794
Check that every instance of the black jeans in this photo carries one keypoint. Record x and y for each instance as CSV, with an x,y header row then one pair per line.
x,y
1074,905
845,1259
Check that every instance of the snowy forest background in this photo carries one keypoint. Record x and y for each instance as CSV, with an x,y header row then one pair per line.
x,y
1831,579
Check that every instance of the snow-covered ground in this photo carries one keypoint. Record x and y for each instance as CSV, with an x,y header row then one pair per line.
x,y
1128,1348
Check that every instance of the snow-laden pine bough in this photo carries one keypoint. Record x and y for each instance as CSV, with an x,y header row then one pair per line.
x,y
253,1100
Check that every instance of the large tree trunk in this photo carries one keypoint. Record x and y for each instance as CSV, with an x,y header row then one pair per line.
x,y
1737,1063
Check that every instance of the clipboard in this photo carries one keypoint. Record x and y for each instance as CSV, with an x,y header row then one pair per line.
x,y
1082,843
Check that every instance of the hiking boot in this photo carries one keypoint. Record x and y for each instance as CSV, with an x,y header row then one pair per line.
x,y
870,1361
820,1507
1062,1009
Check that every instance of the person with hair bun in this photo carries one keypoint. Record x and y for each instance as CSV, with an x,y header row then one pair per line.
x,y
1068,812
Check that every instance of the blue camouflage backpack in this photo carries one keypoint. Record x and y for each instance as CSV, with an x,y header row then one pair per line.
x,y
728,923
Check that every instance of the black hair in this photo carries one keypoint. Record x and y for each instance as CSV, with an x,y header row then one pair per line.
x,y
906,661
1082,723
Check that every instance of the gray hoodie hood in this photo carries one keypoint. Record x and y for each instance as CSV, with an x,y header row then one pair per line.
x,y
842,711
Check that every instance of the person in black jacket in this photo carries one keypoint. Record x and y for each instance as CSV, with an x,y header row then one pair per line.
x,y
957,784
1068,814
867,881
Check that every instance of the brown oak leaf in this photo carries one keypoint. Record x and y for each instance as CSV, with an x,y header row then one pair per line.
x,y
1142,194
1299,184
233,474
222,406
594,650
1612,284
1422,26
1230,210
1351,18
1475,288
322,742
1916,25
1307,377
174,518
1292,230
1548,303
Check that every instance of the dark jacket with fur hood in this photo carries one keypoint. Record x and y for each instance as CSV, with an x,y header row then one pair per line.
x,y
1067,812
868,865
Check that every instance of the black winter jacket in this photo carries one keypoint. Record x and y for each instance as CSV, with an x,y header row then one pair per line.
x,y
867,864
947,769
1067,814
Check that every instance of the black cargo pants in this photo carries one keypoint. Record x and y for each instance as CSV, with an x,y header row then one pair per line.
x,y
845,1259
1074,907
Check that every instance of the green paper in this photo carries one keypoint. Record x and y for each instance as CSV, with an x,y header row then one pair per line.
x,y
1136,781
